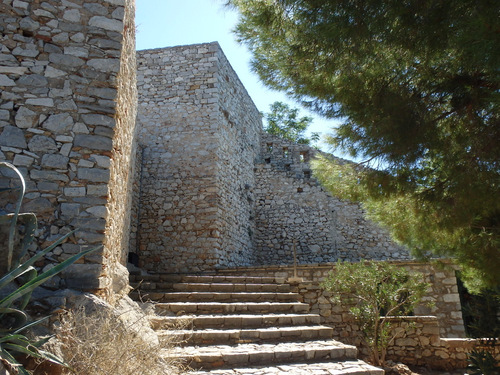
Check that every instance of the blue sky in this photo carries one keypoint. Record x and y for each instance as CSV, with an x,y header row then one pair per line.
x,y
166,23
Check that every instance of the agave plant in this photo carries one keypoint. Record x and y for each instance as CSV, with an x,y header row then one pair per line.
x,y
14,321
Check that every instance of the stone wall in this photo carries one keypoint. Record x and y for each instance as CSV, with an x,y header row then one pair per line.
x,y
291,205
67,110
443,295
200,132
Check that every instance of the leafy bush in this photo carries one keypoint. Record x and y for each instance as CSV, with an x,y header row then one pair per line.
x,y
17,285
374,291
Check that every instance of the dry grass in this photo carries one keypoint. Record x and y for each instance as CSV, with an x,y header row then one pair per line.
x,y
104,344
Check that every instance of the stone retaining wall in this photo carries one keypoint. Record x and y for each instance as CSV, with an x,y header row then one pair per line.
x,y
443,294
67,109
421,345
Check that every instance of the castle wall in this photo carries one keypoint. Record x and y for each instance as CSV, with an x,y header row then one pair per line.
x,y
199,132
67,108
292,206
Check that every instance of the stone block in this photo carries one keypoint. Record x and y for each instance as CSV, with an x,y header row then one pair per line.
x,y
12,137
93,174
106,23
93,142
25,118
83,276
55,161
59,124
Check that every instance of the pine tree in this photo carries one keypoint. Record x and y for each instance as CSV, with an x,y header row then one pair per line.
x,y
417,86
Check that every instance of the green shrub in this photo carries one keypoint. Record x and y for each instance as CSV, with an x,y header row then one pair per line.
x,y
374,291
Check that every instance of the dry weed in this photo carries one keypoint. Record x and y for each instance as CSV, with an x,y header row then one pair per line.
x,y
103,344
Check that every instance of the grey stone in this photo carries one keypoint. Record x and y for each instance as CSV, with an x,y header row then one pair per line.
x,y
76,51
106,23
93,174
104,93
66,149
47,186
12,137
20,4
115,2
68,61
25,118
107,132
55,161
17,70
76,191
118,13
89,223
8,60
78,37
29,24
70,210
98,211
33,80
93,142
36,174
51,72
18,51
59,124
43,13
61,38
4,115
42,102
72,15
39,206
105,65
6,81
96,119
42,143
52,48
102,161
23,160
82,276
96,8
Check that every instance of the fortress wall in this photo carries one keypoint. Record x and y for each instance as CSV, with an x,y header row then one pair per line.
x,y
291,205
66,121
179,199
198,129
239,142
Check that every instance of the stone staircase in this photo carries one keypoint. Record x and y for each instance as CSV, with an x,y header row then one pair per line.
x,y
243,325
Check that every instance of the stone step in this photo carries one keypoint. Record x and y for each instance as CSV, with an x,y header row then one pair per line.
x,y
238,336
231,356
216,297
211,287
234,321
203,308
353,367
169,278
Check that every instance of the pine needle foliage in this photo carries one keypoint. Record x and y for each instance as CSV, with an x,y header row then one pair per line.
x,y
417,86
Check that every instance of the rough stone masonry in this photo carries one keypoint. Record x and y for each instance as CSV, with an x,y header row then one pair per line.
x,y
214,191
67,121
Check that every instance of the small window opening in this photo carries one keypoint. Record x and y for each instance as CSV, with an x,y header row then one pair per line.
x,y
304,156
307,174
269,147
288,167
268,160
300,190
285,152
